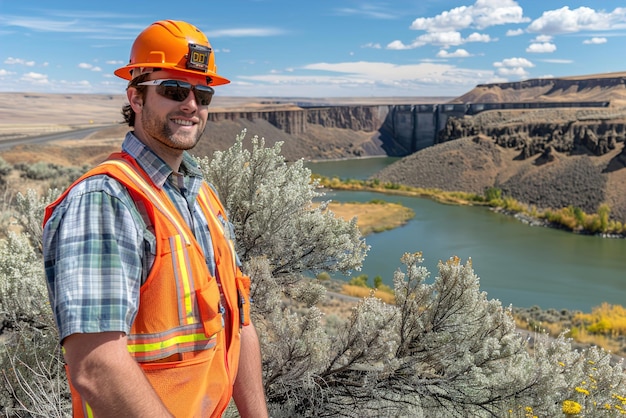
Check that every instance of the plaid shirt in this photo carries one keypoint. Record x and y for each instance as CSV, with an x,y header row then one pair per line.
x,y
98,250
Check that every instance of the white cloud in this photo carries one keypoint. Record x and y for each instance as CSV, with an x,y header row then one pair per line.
x,y
457,18
371,45
19,61
4,73
388,75
513,67
367,10
47,25
482,14
542,48
513,71
87,66
35,78
514,32
478,37
564,20
459,53
557,61
115,62
443,39
514,62
595,41
244,32
542,38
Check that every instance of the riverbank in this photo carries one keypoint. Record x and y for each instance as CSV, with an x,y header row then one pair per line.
x,y
571,219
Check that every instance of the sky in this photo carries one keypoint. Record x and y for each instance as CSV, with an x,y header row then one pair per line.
x,y
319,48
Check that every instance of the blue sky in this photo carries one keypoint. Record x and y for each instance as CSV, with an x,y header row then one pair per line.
x,y
320,48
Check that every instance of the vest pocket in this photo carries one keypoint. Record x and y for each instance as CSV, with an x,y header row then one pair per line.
x,y
210,308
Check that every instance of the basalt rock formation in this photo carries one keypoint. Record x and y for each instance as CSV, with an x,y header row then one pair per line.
x,y
551,158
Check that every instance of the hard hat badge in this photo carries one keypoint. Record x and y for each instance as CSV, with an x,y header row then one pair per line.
x,y
198,57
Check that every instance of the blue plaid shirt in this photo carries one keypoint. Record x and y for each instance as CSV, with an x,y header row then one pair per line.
x,y
98,250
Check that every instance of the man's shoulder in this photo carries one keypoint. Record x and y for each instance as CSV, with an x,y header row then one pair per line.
x,y
98,183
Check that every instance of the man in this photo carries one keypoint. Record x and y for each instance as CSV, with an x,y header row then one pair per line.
x,y
151,305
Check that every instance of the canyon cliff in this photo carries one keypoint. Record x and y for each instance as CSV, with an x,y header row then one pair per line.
x,y
547,142
550,157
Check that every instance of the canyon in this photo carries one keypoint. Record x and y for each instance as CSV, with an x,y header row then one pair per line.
x,y
547,142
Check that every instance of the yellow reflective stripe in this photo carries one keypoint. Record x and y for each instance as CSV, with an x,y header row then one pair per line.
x,y
205,198
147,189
159,345
182,268
155,198
88,412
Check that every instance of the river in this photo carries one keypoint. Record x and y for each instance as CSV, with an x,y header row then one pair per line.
x,y
517,264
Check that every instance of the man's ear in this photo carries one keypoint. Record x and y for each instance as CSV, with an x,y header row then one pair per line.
x,y
135,99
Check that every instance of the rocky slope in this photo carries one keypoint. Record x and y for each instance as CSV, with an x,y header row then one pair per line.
x,y
550,158
608,86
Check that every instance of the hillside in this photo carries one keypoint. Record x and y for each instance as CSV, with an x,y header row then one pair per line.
x,y
550,158
598,87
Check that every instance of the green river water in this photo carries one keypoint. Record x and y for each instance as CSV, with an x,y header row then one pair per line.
x,y
518,264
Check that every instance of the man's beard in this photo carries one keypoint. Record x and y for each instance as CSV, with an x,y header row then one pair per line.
x,y
160,130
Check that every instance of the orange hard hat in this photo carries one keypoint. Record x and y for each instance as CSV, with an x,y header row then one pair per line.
x,y
173,45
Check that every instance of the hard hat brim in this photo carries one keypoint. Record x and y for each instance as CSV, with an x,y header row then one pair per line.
x,y
125,72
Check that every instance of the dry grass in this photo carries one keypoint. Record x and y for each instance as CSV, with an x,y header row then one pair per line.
x,y
362,292
373,216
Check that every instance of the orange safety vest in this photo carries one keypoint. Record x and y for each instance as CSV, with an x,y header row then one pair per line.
x,y
184,338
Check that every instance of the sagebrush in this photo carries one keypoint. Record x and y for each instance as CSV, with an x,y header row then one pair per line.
x,y
443,348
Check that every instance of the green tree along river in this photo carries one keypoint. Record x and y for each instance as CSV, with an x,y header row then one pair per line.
x,y
517,264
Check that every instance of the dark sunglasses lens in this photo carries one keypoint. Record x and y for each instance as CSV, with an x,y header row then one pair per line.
x,y
179,91
203,94
174,90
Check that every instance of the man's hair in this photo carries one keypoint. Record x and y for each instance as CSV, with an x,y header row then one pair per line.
x,y
127,110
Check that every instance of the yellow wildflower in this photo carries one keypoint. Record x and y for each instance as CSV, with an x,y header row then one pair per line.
x,y
561,364
571,407
582,390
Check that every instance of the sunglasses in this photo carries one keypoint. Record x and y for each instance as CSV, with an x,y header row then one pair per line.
x,y
179,90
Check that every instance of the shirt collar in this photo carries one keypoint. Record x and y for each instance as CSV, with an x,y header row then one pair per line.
x,y
155,167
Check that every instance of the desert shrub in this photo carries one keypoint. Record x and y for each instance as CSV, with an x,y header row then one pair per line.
x,y
58,176
360,280
443,349
40,170
5,170
271,206
603,319
32,381
493,193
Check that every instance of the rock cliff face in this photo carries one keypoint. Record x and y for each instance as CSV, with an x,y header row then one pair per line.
x,y
552,157
532,132
290,120
294,120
